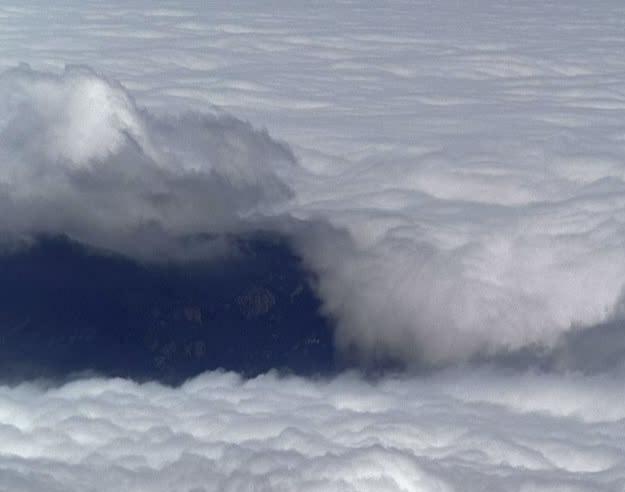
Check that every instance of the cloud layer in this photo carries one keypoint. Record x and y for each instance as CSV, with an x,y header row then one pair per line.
x,y
476,431
454,177
79,158
474,171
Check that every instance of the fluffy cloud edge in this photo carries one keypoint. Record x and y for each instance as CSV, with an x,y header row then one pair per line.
x,y
450,432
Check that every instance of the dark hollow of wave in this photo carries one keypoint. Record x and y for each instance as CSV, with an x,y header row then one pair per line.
x,y
67,310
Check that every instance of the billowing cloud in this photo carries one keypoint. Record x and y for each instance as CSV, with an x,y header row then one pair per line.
x,y
453,432
79,158
454,178
449,277
466,178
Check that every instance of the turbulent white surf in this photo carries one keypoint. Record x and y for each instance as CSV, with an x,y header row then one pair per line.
x,y
469,160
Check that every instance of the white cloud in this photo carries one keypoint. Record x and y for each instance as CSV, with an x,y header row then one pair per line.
x,y
462,166
474,153
452,432
79,158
